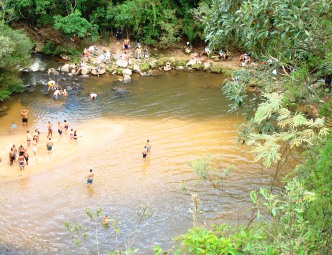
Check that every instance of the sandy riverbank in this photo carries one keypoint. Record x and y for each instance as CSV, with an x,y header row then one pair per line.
x,y
92,136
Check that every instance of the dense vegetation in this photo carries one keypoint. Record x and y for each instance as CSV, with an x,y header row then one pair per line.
x,y
292,37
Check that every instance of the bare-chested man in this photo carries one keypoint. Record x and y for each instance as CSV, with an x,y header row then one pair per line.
x,y
89,178
11,156
60,128
49,129
24,114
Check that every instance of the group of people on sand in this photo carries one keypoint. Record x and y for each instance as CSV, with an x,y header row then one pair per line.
x,y
22,152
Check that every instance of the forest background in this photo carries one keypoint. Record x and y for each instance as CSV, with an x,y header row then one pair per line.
x,y
292,38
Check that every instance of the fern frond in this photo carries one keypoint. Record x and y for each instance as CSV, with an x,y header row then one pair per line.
x,y
283,114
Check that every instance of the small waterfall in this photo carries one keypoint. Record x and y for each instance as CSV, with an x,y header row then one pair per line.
x,y
38,64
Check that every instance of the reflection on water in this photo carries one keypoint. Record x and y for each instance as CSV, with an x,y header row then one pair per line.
x,y
183,114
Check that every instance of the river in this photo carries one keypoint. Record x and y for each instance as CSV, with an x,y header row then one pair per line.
x,y
183,114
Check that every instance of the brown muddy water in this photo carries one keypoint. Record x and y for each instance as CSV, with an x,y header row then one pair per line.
x,y
183,114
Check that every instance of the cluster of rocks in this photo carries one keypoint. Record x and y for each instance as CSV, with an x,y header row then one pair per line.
x,y
98,65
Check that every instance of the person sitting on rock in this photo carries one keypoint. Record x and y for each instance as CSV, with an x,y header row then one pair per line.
x,y
126,44
86,53
92,49
223,54
82,64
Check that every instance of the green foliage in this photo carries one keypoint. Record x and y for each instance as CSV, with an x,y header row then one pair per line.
x,y
74,23
15,49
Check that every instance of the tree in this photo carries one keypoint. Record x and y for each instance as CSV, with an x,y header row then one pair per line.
x,y
15,49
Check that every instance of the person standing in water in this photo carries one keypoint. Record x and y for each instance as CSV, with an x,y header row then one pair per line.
x,y
49,129
49,146
11,156
26,157
144,153
148,147
28,139
21,162
60,128
66,126
34,146
24,114
89,178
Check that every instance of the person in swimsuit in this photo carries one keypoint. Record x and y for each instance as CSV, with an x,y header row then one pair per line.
x,y
26,157
89,180
60,128
144,153
21,162
11,157
21,150
56,94
75,136
15,152
49,146
28,139
13,128
71,135
34,146
36,134
49,129
24,114
66,126
51,85
148,147
92,96
106,220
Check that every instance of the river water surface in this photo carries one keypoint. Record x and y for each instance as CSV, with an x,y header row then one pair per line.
x,y
183,114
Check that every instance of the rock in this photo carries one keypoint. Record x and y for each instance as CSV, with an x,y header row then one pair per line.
x,y
98,72
150,73
152,63
126,79
127,72
84,76
26,70
121,91
167,66
207,64
3,108
70,74
122,63
179,68
85,70
53,71
192,61
136,69
65,57
69,88
65,68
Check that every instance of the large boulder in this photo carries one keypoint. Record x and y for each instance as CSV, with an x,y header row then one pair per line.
x,y
3,108
98,71
120,91
122,63
127,72
136,69
53,71
85,70
65,68
126,79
